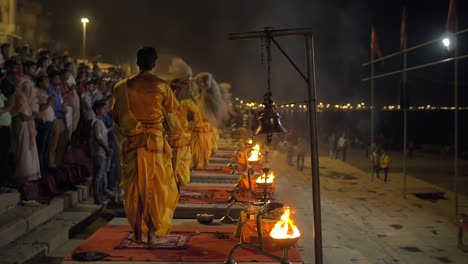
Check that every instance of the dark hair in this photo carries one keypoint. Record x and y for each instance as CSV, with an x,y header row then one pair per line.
x,y
9,64
28,64
4,45
90,82
41,60
40,79
54,73
98,105
146,58
63,72
66,65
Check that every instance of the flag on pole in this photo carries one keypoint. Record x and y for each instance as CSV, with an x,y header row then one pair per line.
x,y
450,24
403,30
375,45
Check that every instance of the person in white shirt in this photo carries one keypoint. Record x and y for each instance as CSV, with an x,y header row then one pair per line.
x,y
342,146
100,151
44,119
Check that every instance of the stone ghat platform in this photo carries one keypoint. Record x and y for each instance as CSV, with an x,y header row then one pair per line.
x,y
205,244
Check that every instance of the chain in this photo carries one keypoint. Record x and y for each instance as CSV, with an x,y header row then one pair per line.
x,y
262,47
269,58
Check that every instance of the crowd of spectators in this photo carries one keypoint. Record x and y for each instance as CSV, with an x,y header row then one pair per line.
x,y
49,105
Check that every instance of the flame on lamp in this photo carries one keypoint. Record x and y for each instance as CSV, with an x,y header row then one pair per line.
x,y
269,178
285,227
254,153
250,141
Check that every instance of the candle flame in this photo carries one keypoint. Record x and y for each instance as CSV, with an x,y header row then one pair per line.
x,y
250,141
285,227
269,178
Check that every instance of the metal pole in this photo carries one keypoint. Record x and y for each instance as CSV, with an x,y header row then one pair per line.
x,y
372,139
312,105
405,122
273,33
455,132
459,57
84,41
413,48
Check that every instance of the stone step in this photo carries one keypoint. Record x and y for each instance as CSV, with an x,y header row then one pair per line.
x,y
20,220
9,201
49,236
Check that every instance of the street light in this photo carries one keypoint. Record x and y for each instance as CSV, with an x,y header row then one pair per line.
x,y
446,42
85,21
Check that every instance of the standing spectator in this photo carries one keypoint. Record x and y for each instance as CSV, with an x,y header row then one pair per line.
x,y
343,146
42,64
67,94
375,160
291,144
76,98
100,151
9,82
23,129
384,164
58,140
81,83
44,120
301,149
4,53
5,124
87,100
111,183
332,144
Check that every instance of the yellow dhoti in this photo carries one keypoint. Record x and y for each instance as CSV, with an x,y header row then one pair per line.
x,y
202,145
184,161
215,138
149,180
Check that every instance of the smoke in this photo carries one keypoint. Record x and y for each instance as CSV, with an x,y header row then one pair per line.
x,y
198,32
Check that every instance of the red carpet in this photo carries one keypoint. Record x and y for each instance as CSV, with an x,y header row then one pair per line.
x,y
212,194
204,246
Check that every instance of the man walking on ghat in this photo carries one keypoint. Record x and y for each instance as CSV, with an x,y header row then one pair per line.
x,y
150,191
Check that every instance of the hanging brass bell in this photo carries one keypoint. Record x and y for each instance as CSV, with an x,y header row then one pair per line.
x,y
269,122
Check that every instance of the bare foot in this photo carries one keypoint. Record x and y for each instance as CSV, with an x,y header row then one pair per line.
x,y
153,239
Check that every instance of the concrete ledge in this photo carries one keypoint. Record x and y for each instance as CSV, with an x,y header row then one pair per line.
x,y
8,201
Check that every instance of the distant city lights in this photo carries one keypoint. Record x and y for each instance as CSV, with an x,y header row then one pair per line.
x,y
323,107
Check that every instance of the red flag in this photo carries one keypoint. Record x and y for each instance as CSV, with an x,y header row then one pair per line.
x,y
375,44
450,24
403,30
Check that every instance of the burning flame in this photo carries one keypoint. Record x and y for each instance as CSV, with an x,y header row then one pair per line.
x,y
269,178
254,153
285,227
250,141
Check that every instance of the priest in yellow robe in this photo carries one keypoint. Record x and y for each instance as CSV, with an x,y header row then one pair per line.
x,y
150,190
179,136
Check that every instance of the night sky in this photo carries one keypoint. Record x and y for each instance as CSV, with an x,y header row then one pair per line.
x,y
197,31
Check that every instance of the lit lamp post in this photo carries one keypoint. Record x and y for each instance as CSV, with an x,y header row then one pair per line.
x,y
446,42
269,119
85,21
